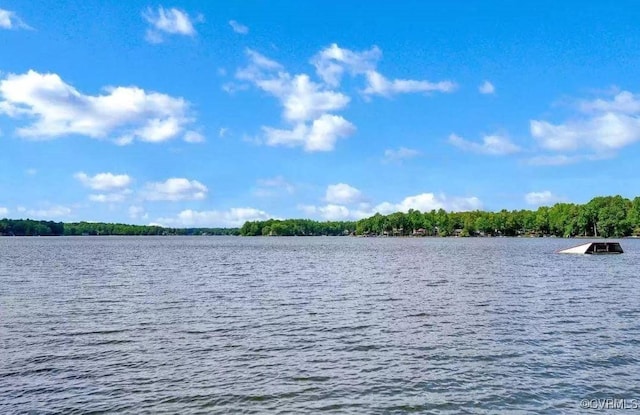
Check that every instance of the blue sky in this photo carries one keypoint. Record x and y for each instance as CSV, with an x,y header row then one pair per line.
x,y
195,113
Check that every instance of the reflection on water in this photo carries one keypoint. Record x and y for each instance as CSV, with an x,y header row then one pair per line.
x,y
350,325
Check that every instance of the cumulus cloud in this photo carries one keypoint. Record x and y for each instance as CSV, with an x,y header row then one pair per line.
x,y
541,198
301,98
601,125
377,84
495,145
607,131
430,201
175,189
113,186
487,88
623,102
168,21
234,217
10,20
124,113
238,27
333,61
3,211
342,193
424,202
307,106
321,135
104,181
193,137
327,212
400,154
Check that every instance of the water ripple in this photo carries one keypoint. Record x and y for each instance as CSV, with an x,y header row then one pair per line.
x,y
307,325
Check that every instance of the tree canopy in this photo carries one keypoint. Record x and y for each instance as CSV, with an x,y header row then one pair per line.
x,y
28,227
606,216
610,216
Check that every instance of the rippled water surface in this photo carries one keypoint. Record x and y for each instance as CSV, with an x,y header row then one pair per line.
x,y
291,325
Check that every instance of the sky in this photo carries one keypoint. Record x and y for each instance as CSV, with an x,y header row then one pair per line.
x,y
191,113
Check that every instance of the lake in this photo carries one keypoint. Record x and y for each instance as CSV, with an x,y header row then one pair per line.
x,y
316,324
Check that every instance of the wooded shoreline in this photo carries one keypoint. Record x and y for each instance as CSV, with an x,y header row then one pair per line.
x,y
608,216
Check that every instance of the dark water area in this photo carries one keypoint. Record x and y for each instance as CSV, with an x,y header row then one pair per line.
x,y
308,325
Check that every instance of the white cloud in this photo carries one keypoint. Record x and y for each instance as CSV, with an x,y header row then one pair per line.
x,y
541,198
170,21
608,131
273,186
175,189
429,201
234,217
304,100
327,212
259,67
320,136
377,84
223,132
193,137
3,211
50,212
238,27
10,20
114,184
342,193
487,88
402,153
424,202
301,98
604,125
31,171
332,62
495,145
624,102
103,181
58,109
306,106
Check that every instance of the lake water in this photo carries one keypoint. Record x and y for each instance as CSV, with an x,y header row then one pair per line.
x,y
293,325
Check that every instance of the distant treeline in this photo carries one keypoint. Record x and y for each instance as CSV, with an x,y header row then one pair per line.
x,y
296,227
28,227
611,216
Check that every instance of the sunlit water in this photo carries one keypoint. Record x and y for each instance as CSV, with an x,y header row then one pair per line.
x,y
290,325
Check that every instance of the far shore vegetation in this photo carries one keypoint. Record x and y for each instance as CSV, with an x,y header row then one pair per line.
x,y
609,216
28,227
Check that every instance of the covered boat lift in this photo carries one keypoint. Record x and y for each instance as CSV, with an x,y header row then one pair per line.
x,y
594,248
